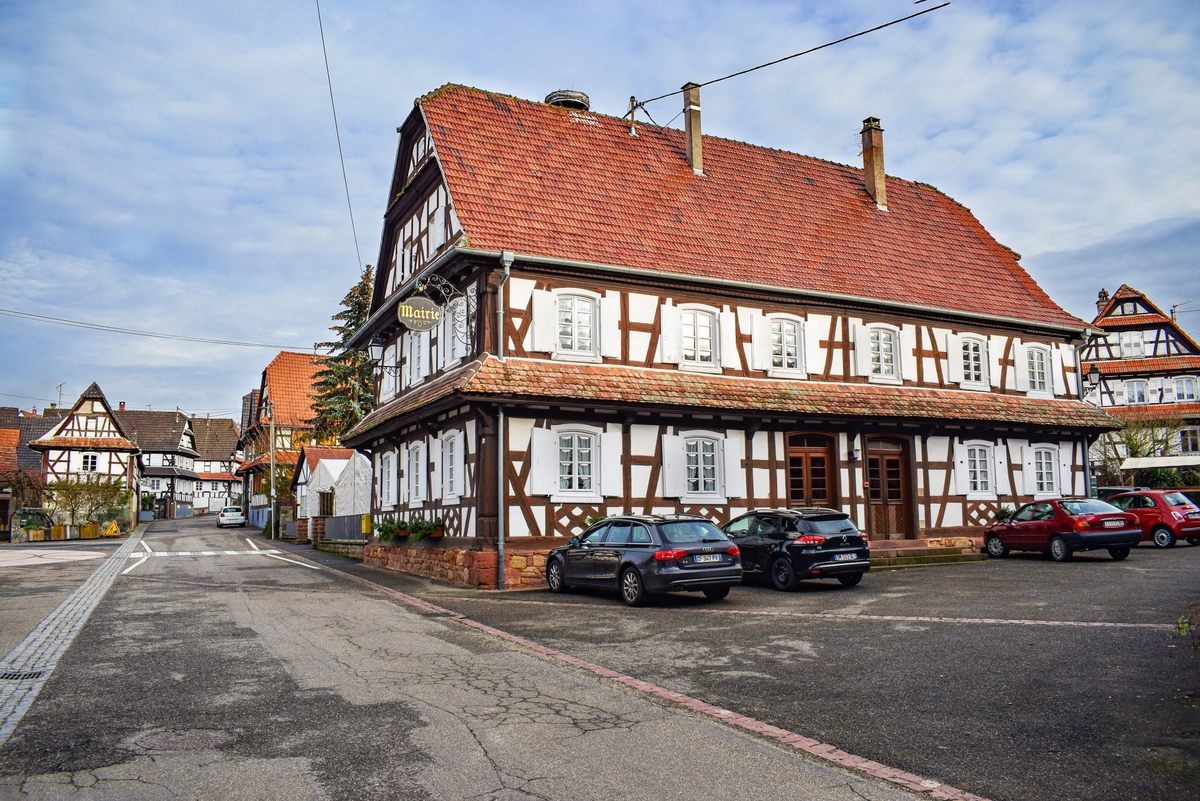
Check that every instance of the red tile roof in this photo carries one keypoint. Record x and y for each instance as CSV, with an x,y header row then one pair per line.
x,y
1131,320
1156,364
84,443
1156,411
289,384
281,457
9,439
546,181
537,379
216,476
1155,317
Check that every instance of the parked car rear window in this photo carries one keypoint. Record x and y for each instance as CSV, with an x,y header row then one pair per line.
x,y
1177,499
691,531
1087,507
232,509
837,525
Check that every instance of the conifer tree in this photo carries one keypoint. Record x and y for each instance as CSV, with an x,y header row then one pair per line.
x,y
345,386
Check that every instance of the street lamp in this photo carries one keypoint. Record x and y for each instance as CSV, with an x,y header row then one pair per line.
x,y
1093,375
375,350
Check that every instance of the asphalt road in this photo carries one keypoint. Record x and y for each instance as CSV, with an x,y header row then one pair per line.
x,y
1052,708
212,670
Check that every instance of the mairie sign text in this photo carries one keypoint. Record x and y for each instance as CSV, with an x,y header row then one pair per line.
x,y
420,314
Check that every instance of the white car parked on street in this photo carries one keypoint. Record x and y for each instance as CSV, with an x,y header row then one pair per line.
x,y
231,516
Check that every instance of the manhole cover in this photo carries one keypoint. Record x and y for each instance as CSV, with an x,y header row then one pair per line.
x,y
186,740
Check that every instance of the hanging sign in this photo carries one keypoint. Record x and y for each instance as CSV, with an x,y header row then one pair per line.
x,y
419,314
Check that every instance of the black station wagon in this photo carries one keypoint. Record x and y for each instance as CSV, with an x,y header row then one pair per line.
x,y
787,545
642,554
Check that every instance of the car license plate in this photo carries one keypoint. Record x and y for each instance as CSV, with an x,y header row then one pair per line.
x,y
845,557
1113,523
707,557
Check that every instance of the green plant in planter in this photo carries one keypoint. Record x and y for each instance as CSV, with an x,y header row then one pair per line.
x,y
591,520
420,528
1004,513
390,530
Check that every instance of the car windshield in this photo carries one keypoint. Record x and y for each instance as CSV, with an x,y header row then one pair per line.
x,y
1091,506
1177,499
834,525
691,531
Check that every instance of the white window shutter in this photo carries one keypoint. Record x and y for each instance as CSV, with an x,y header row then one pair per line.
x,y
422,472
735,475
1029,477
1118,391
862,350
435,469
1000,460
670,335
404,354
610,325
1156,390
545,321
423,342
673,467
813,360
908,354
612,479
543,452
962,479
460,332
1056,367
1168,391
760,343
1066,463
993,361
727,330
397,492
954,359
460,462
378,476
1021,366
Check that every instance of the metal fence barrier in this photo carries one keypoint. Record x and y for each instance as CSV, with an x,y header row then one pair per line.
x,y
347,528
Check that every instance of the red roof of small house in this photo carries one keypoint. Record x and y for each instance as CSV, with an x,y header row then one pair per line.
x,y
1153,364
281,457
216,477
547,181
1132,320
1155,411
289,384
9,439
539,379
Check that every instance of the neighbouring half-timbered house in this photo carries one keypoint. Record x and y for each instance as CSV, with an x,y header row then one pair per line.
x,y
641,319
167,458
1145,369
89,443
217,485
283,398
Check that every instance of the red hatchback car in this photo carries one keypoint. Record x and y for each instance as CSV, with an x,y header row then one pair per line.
x,y
1165,515
1062,526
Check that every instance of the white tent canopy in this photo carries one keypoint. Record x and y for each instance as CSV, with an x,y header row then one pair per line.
x,y
1151,462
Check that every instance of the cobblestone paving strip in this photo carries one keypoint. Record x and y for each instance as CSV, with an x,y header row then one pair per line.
x,y
27,667
929,787
839,616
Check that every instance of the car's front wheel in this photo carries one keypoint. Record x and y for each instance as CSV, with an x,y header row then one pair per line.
x,y
1059,551
850,579
554,576
783,575
995,547
633,592
716,593
1118,553
1163,537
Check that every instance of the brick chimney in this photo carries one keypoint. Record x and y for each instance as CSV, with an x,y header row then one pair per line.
x,y
872,152
121,406
1101,300
691,127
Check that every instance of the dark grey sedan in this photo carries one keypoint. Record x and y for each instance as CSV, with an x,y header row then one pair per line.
x,y
640,555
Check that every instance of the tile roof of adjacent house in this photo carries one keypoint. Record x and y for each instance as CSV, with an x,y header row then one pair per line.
x,y
31,428
547,181
1152,364
120,443
10,439
9,415
289,382
538,379
158,432
281,457
1106,319
1132,320
1156,411
216,437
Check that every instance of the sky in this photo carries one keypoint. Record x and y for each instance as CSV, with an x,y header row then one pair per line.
x,y
173,166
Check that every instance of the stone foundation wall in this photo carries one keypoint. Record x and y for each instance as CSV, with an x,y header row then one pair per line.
x,y
302,531
524,569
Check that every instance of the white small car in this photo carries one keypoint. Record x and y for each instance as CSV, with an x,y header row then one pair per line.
x,y
231,516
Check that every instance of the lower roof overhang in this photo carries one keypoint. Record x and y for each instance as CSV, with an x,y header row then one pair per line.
x,y
169,472
533,381
114,444
264,462
1158,413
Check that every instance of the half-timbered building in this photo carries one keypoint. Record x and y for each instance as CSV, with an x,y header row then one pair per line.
x,y
642,319
217,446
1146,369
167,458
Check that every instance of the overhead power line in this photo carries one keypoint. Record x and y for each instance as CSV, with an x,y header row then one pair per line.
x,y
41,318
642,103
338,134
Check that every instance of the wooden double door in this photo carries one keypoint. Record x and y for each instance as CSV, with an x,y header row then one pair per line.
x,y
889,489
812,471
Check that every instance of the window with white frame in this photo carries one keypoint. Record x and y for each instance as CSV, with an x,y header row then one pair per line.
x,y
981,470
1185,389
1132,344
979,467
576,324
155,484
974,359
698,331
785,344
1127,308
1135,391
387,389
1045,465
885,352
1037,361
452,467
90,462
1189,440
415,474
387,479
700,466
454,333
576,462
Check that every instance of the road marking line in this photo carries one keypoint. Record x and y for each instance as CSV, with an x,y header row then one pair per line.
x,y
252,545
146,545
836,616
293,561
135,564
35,658
932,787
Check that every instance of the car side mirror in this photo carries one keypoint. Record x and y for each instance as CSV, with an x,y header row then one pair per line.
x,y
573,541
